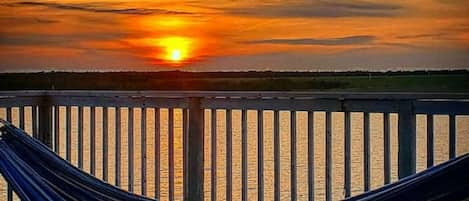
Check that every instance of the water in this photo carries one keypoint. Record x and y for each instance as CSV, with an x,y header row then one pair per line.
x,y
376,132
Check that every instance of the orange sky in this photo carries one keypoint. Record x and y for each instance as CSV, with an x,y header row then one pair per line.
x,y
234,35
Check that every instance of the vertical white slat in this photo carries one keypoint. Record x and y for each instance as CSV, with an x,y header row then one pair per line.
x,y
244,156
130,150
260,155
157,153
9,115
196,150
452,136
93,141
34,121
366,151
105,143
430,141
68,133
185,137
21,117
276,156
387,148
56,127
310,155
347,158
80,137
293,155
328,156
143,154
229,155
118,147
213,192
9,187
407,139
171,153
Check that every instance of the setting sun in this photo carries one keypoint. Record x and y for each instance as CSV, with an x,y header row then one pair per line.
x,y
176,49
176,55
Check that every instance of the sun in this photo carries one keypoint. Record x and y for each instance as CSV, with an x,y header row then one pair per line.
x,y
176,55
176,49
172,50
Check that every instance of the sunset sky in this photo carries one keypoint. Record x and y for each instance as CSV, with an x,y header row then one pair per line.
x,y
316,35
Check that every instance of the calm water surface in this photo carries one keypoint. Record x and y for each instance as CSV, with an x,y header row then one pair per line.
x,y
376,131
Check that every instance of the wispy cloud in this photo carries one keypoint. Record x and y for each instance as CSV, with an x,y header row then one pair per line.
x,y
350,40
96,9
351,8
20,20
32,39
428,35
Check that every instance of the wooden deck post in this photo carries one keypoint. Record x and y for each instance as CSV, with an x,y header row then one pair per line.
x,y
45,121
195,160
407,139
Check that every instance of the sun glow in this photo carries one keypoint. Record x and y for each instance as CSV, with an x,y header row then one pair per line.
x,y
176,49
176,55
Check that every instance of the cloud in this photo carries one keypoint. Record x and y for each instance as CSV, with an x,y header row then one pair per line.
x,y
429,35
26,20
351,8
91,8
54,40
376,58
350,40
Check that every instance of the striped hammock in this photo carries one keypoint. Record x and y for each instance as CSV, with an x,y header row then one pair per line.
x,y
38,174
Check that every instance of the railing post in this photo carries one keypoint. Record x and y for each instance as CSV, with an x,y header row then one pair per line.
x,y
195,157
407,139
45,121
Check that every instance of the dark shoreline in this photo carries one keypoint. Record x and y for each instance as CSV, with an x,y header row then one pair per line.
x,y
444,80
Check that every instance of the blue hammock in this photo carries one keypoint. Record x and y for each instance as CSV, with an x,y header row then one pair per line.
x,y
448,181
38,174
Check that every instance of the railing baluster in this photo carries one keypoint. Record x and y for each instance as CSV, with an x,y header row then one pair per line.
x,y
68,133
452,136
34,121
276,156
310,155
93,141
196,151
21,117
118,147
214,155
407,139
44,133
293,155
184,148
171,153
157,153
430,142
260,155
130,150
347,149
9,187
328,156
9,115
244,155
80,137
56,127
143,153
366,151
105,142
229,155
387,148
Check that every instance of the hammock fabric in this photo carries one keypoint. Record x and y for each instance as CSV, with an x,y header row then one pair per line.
x,y
38,174
447,181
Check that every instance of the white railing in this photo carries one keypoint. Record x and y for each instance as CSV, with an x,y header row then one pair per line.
x,y
46,119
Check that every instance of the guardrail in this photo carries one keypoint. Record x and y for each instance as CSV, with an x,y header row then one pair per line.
x,y
45,121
